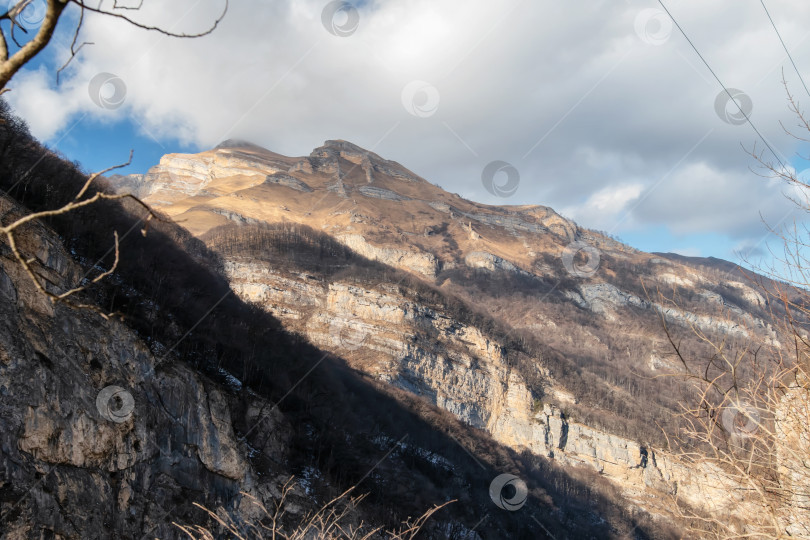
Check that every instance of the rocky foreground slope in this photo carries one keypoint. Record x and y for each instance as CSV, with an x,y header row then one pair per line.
x,y
559,358
97,435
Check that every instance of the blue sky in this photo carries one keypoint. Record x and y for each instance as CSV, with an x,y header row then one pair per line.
x,y
608,114
98,145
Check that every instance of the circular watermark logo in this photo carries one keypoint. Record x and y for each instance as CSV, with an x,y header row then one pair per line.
x,y
27,14
340,18
349,336
653,26
508,492
733,107
500,169
107,91
741,420
581,270
420,99
115,404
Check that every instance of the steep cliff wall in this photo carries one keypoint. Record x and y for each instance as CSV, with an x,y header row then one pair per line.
x,y
382,332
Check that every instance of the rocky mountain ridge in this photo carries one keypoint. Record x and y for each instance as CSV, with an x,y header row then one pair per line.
x,y
381,329
384,213
186,398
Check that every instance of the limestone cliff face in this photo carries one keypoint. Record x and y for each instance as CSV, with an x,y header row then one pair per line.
x,y
179,176
488,261
385,334
604,299
420,262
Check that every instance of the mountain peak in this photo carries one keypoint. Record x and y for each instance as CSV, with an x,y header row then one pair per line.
x,y
239,143
343,145
347,148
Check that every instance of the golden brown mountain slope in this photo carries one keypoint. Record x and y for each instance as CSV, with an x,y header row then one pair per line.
x,y
560,350
347,191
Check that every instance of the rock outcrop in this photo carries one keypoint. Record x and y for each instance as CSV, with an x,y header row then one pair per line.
x,y
422,263
604,299
493,263
288,181
100,432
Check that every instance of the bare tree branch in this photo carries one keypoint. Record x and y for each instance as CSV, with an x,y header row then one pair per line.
x,y
11,230
73,49
151,27
11,64
752,412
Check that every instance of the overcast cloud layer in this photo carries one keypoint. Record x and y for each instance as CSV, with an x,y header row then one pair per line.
x,y
603,107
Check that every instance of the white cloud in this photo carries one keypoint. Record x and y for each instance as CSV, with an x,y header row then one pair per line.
x,y
40,105
613,121
700,198
607,207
